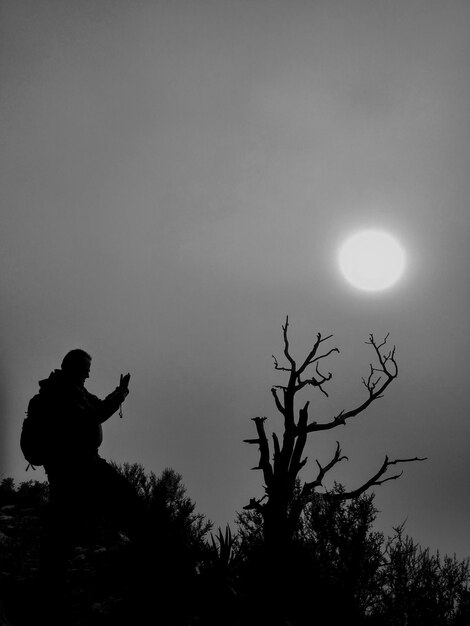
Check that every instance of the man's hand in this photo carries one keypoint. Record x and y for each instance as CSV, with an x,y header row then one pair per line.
x,y
124,383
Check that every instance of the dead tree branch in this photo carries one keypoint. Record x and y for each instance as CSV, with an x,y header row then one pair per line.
x,y
296,463
255,505
295,381
286,344
377,382
279,405
309,487
262,442
375,480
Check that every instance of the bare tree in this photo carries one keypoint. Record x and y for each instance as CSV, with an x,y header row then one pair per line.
x,y
285,495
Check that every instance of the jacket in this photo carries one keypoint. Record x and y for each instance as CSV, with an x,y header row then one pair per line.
x,y
72,419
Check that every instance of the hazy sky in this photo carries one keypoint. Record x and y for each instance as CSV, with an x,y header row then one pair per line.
x,y
177,177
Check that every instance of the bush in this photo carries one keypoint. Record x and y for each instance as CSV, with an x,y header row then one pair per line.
x,y
420,588
337,568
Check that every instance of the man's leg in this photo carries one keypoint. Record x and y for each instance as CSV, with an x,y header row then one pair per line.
x,y
56,541
55,537
63,517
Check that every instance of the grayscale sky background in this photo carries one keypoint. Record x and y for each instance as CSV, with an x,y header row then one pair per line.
x,y
177,176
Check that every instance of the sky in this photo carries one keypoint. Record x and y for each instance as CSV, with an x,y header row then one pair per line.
x,y
177,177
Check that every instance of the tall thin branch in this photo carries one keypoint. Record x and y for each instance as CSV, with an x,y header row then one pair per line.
x,y
286,343
296,463
311,357
277,453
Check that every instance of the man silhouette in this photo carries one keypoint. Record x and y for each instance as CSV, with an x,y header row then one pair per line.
x,y
83,486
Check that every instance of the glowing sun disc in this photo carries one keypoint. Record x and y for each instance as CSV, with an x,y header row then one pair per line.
x,y
371,260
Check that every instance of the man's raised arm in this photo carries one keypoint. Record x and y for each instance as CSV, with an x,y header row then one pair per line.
x,y
112,402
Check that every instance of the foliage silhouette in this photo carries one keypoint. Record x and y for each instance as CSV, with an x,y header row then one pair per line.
x,y
335,554
352,572
106,573
418,587
339,567
166,501
173,542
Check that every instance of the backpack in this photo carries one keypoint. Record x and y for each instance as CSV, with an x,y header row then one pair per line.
x,y
34,435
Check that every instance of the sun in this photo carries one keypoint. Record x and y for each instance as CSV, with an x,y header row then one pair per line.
x,y
371,260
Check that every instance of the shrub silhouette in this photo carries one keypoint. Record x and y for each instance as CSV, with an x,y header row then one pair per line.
x,y
220,578
110,582
173,542
338,569
420,588
355,572
335,555
166,501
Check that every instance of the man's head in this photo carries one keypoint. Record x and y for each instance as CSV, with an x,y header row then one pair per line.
x,y
76,365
